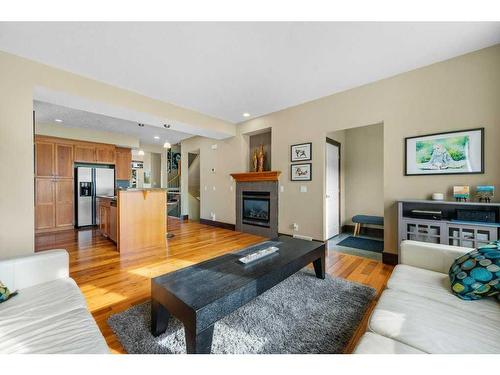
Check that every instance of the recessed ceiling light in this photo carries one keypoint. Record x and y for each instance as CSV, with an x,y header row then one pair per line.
x,y
156,137
166,126
141,125
58,120
246,114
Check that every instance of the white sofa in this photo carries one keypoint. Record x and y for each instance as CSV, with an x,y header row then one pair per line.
x,y
49,315
417,313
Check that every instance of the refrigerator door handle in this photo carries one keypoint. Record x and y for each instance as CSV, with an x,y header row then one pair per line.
x,y
94,218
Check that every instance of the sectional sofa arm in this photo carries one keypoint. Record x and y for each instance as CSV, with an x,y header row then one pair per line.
x,y
433,257
26,271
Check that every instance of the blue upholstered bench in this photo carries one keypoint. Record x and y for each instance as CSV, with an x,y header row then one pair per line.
x,y
358,220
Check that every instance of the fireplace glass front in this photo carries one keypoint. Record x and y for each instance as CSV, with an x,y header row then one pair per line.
x,y
256,208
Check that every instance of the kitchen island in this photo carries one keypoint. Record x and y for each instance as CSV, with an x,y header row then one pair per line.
x,y
140,221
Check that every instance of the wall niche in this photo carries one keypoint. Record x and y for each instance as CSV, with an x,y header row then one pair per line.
x,y
254,142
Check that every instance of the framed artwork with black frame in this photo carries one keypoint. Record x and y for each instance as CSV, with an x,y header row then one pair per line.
x,y
301,152
301,172
455,152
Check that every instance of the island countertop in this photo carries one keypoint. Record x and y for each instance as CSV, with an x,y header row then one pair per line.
x,y
142,219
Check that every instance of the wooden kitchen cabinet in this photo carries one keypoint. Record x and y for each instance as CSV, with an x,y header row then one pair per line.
x,y
123,166
105,154
53,159
44,159
64,211
54,178
53,204
85,153
45,204
63,160
113,224
107,218
104,219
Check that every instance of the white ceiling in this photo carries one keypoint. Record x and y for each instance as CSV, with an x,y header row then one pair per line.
x,y
226,69
74,118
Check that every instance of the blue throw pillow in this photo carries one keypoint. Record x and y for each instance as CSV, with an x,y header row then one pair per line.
x,y
476,274
5,293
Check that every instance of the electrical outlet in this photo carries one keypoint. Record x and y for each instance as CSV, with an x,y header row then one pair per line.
x,y
212,215
295,226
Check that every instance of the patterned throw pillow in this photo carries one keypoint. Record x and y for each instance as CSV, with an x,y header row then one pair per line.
x,y
5,293
476,274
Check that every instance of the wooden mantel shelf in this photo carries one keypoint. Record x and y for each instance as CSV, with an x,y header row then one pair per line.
x,y
256,176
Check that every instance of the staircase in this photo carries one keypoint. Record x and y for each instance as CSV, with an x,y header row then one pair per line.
x,y
194,188
174,192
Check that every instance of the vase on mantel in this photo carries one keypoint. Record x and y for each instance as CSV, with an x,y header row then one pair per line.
x,y
261,157
255,160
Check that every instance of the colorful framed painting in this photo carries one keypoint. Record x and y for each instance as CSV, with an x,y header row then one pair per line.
x,y
457,152
301,152
301,172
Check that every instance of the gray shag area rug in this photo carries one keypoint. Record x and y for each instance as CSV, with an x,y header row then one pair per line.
x,y
302,314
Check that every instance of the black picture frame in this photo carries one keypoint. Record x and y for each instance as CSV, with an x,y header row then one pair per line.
x,y
299,164
292,160
405,161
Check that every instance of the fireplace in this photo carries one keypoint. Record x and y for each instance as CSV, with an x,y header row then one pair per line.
x,y
257,203
255,208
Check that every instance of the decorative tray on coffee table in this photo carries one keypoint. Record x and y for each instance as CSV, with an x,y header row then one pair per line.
x,y
258,255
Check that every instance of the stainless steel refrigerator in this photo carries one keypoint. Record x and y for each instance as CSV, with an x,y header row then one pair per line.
x,y
90,183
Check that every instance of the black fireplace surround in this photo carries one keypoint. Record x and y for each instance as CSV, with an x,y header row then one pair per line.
x,y
256,205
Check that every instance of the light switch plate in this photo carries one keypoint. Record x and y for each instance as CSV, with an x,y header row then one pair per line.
x,y
282,188
214,146
303,189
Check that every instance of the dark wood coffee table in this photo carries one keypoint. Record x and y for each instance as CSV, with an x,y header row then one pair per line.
x,y
202,294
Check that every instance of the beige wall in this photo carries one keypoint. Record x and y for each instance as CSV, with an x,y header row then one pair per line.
x,y
18,78
230,156
16,163
364,171
456,94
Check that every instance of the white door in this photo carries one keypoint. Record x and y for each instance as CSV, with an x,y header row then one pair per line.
x,y
332,190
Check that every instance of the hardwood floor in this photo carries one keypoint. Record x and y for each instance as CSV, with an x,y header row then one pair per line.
x,y
112,282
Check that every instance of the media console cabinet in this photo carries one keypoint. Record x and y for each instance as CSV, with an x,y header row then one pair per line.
x,y
467,224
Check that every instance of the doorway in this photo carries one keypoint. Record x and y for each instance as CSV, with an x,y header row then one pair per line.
x,y
332,188
194,186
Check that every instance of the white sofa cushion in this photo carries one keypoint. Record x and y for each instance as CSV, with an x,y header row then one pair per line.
x,y
433,327
436,286
371,343
430,256
40,302
26,271
49,318
73,331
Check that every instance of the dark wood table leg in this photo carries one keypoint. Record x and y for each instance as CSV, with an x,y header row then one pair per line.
x,y
200,343
319,267
159,318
